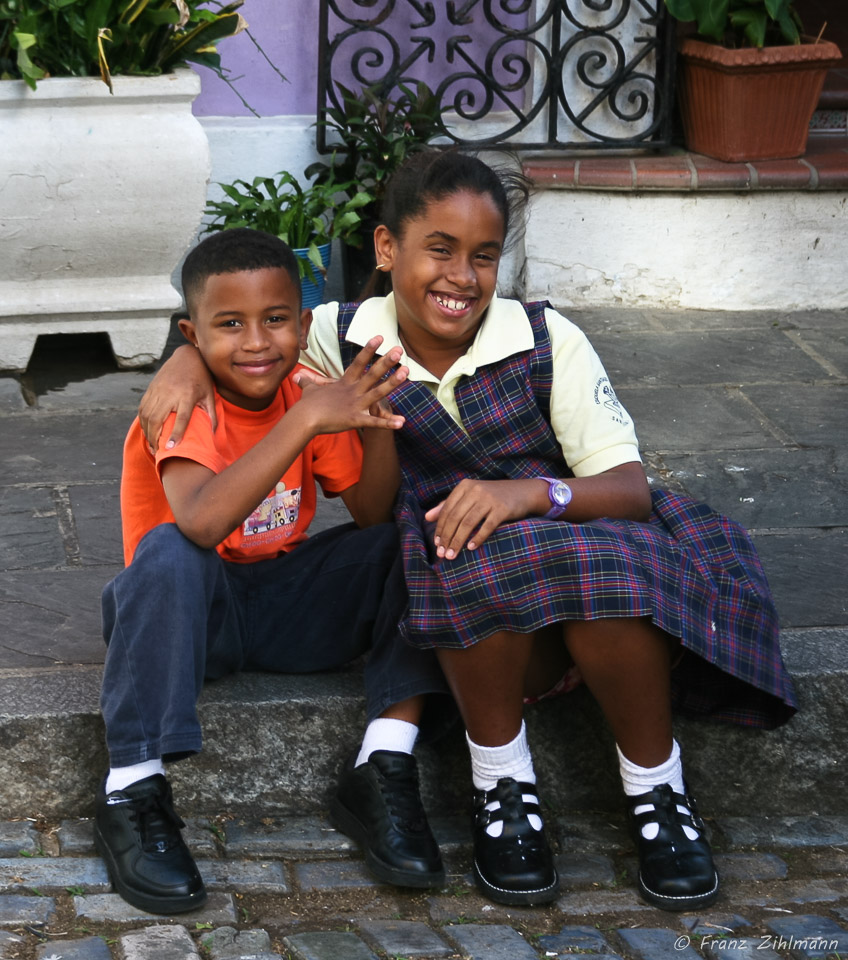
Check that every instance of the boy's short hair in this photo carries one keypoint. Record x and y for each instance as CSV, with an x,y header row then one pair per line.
x,y
232,251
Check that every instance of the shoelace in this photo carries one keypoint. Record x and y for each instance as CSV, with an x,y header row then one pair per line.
x,y
158,822
403,802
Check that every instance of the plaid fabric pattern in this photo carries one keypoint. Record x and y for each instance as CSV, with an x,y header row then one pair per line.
x,y
694,572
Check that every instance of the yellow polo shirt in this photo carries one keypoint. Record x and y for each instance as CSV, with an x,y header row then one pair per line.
x,y
592,427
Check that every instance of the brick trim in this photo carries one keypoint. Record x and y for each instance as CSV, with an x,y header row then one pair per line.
x,y
824,167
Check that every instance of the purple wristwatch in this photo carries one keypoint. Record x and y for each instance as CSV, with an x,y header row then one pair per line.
x,y
559,493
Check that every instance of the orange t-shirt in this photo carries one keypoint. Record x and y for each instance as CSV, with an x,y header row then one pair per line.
x,y
279,523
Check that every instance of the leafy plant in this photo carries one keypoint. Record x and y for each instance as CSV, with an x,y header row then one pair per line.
x,y
371,134
83,38
739,23
39,852
304,217
374,134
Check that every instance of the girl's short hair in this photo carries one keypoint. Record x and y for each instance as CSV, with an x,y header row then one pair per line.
x,y
431,175
232,251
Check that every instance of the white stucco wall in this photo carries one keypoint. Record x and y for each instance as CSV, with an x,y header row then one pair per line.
x,y
713,251
246,147
242,148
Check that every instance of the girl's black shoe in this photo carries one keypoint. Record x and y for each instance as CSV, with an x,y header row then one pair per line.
x,y
675,873
516,867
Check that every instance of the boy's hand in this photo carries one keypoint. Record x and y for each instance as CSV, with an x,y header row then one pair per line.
x,y
183,383
357,399
475,508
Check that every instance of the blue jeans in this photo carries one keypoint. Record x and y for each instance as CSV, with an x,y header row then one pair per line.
x,y
179,615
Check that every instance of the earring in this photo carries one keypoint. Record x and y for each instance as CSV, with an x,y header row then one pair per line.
x,y
382,266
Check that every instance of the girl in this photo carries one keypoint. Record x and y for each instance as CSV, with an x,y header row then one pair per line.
x,y
531,540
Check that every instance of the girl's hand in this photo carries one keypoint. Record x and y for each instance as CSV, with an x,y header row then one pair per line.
x,y
475,508
182,384
358,398
382,409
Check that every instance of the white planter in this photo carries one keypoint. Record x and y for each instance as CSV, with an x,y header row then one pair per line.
x,y
100,196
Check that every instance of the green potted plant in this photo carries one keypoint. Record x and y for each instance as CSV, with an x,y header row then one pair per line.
x,y
77,38
307,218
109,166
371,134
749,82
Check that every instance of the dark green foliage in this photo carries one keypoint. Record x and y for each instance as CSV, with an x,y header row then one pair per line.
x,y
375,134
304,217
740,23
83,38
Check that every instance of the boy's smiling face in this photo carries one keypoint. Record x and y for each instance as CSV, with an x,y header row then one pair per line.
x,y
250,330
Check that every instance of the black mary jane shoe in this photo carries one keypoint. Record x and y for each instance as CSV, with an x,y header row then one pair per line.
x,y
675,873
516,867
378,804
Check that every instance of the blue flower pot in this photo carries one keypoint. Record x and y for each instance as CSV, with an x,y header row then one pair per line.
x,y
313,292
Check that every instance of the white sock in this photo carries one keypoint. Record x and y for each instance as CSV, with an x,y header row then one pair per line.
x,y
490,764
384,733
636,780
122,777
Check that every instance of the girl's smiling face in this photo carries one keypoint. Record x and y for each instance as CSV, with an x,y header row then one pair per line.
x,y
444,271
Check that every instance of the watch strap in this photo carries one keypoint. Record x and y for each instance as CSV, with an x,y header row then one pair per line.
x,y
558,507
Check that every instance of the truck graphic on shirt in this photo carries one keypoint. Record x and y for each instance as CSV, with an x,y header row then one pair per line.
x,y
280,509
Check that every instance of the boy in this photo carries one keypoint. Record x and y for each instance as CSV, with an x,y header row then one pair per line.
x,y
212,557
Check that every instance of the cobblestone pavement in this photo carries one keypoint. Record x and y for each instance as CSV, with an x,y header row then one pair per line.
x,y
295,889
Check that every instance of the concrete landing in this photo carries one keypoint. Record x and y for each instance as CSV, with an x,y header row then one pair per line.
x,y
743,410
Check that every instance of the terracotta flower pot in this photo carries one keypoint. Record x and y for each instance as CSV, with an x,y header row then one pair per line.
x,y
749,104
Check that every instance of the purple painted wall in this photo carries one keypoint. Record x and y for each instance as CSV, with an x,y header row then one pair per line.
x,y
287,30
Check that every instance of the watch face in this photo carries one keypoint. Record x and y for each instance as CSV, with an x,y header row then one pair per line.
x,y
560,493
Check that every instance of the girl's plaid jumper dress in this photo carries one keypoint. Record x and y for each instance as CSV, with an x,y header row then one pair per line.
x,y
695,573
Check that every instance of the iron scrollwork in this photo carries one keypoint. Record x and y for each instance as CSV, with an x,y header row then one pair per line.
x,y
532,74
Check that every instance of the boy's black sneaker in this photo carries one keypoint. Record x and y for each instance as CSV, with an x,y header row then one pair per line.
x,y
137,832
378,805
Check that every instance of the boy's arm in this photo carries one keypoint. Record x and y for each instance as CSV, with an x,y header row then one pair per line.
x,y
208,506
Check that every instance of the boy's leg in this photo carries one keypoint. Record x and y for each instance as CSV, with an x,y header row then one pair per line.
x,y
155,616
169,620
378,800
323,605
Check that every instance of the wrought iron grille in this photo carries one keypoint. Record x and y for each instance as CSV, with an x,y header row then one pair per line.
x,y
530,74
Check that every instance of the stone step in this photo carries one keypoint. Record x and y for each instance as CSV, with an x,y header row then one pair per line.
x,y
700,215
274,746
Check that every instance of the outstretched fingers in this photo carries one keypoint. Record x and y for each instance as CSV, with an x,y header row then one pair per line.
x,y
305,376
377,381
